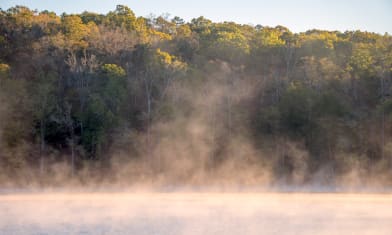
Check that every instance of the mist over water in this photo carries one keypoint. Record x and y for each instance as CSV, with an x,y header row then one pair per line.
x,y
195,213
207,146
117,124
199,173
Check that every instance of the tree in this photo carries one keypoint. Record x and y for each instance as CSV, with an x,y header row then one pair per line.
x,y
383,69
76,86
157,72
103,109
122,17
44,101
75,31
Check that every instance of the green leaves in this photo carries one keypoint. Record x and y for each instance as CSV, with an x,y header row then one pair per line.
x,y
84,80
122,17
268,37
297,110
113,71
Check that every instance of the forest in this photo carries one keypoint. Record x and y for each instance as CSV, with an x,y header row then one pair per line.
x,y
95,98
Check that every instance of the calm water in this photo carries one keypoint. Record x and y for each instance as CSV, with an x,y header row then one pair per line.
x,y
195,213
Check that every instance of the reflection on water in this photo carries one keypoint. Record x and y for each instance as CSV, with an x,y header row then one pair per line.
x,y
195,213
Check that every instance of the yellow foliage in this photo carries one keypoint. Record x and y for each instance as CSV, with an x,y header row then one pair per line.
x,y
170,60
46,19
160,36
233,40
164,57
327,37
113,70
184,31
362,58
142,29
75,31
269,37
4,70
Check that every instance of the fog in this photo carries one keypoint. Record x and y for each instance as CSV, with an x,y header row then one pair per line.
x,y
206,145
117,124
195,213
199,173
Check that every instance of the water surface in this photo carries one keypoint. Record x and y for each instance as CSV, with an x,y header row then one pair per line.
x,y
195,213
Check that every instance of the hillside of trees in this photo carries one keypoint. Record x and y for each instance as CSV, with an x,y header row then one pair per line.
x,y
96,97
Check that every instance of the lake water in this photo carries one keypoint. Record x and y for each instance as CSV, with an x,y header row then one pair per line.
x,y
195,213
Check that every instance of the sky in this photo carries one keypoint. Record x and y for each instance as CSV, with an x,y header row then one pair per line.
x,y
297,15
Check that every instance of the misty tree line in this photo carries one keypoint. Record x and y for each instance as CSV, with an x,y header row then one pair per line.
x,y
76,88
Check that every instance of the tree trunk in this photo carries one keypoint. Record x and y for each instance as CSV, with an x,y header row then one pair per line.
x,y
382,118
72,153
42,146
148,100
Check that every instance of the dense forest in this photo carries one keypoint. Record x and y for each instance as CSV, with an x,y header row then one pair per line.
x,y
115,97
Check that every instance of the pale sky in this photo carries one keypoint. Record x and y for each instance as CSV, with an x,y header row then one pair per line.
x,y
297,15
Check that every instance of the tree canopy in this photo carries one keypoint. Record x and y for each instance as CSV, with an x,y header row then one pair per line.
x,y
93,89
